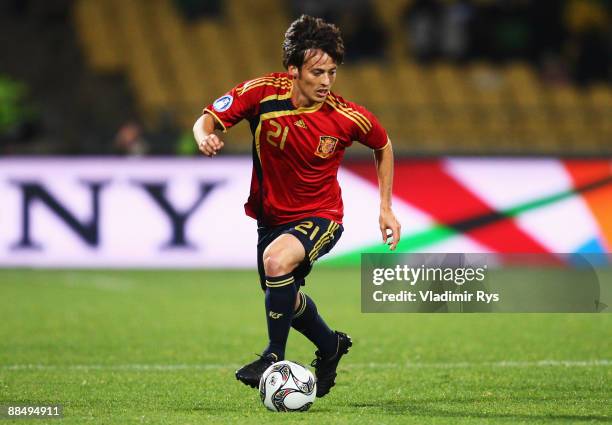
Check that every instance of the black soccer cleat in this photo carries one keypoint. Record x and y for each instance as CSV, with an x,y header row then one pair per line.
x,y
325,368
251,374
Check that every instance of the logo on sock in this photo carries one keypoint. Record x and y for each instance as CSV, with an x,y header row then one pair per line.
x,y
274,315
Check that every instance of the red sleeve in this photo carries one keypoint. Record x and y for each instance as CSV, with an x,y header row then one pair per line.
x,y
239,103
370,132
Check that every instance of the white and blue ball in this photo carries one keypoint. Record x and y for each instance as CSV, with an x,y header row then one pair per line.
x,y
287,387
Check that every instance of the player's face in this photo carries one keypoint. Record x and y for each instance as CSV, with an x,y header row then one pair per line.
x,y
315,79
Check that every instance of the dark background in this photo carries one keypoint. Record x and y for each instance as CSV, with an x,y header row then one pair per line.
x,y
83,77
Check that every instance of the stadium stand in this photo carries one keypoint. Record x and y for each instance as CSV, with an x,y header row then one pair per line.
x,y
175,65
72,109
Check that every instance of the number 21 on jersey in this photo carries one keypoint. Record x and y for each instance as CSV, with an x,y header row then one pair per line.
x,y
278,136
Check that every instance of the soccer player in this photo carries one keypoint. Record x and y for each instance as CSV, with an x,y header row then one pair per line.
x,y
300,132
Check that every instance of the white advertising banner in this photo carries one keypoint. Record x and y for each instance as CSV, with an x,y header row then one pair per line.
x,y
125,213
174,212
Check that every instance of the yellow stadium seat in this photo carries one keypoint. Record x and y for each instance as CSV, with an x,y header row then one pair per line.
x,y
176,67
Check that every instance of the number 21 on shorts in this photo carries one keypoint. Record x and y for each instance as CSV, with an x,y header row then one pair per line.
x,y
305,228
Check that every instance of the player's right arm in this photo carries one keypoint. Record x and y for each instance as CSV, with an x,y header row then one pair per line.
x,y
239,103
204,134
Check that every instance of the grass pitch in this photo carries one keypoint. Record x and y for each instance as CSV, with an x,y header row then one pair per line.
x,y
124,347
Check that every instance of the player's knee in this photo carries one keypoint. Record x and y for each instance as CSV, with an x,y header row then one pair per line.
x,y
276,265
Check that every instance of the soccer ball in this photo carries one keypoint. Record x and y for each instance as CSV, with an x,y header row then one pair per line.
x,y
287,387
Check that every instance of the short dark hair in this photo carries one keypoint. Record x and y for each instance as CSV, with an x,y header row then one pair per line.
x,y
308,32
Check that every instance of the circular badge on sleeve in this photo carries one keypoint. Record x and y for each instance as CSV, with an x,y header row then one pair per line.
x,y
223,103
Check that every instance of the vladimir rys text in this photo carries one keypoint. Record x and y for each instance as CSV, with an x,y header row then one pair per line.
x,y
424,275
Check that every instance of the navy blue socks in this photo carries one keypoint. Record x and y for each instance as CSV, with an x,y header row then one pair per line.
x,y
280,300
309,323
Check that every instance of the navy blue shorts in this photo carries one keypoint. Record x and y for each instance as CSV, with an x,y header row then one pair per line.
x,y
317,235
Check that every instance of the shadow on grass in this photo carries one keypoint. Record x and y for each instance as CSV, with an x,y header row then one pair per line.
x,y
261,410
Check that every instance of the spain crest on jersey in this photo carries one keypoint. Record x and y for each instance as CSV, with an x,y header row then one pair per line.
x,y
327,146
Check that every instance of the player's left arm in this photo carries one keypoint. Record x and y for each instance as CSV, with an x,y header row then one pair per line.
x,y
390,227
369,132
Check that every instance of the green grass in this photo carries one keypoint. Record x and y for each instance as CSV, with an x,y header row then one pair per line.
x,y
161,347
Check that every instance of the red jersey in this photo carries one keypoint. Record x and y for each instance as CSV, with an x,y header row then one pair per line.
x,y
296,151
